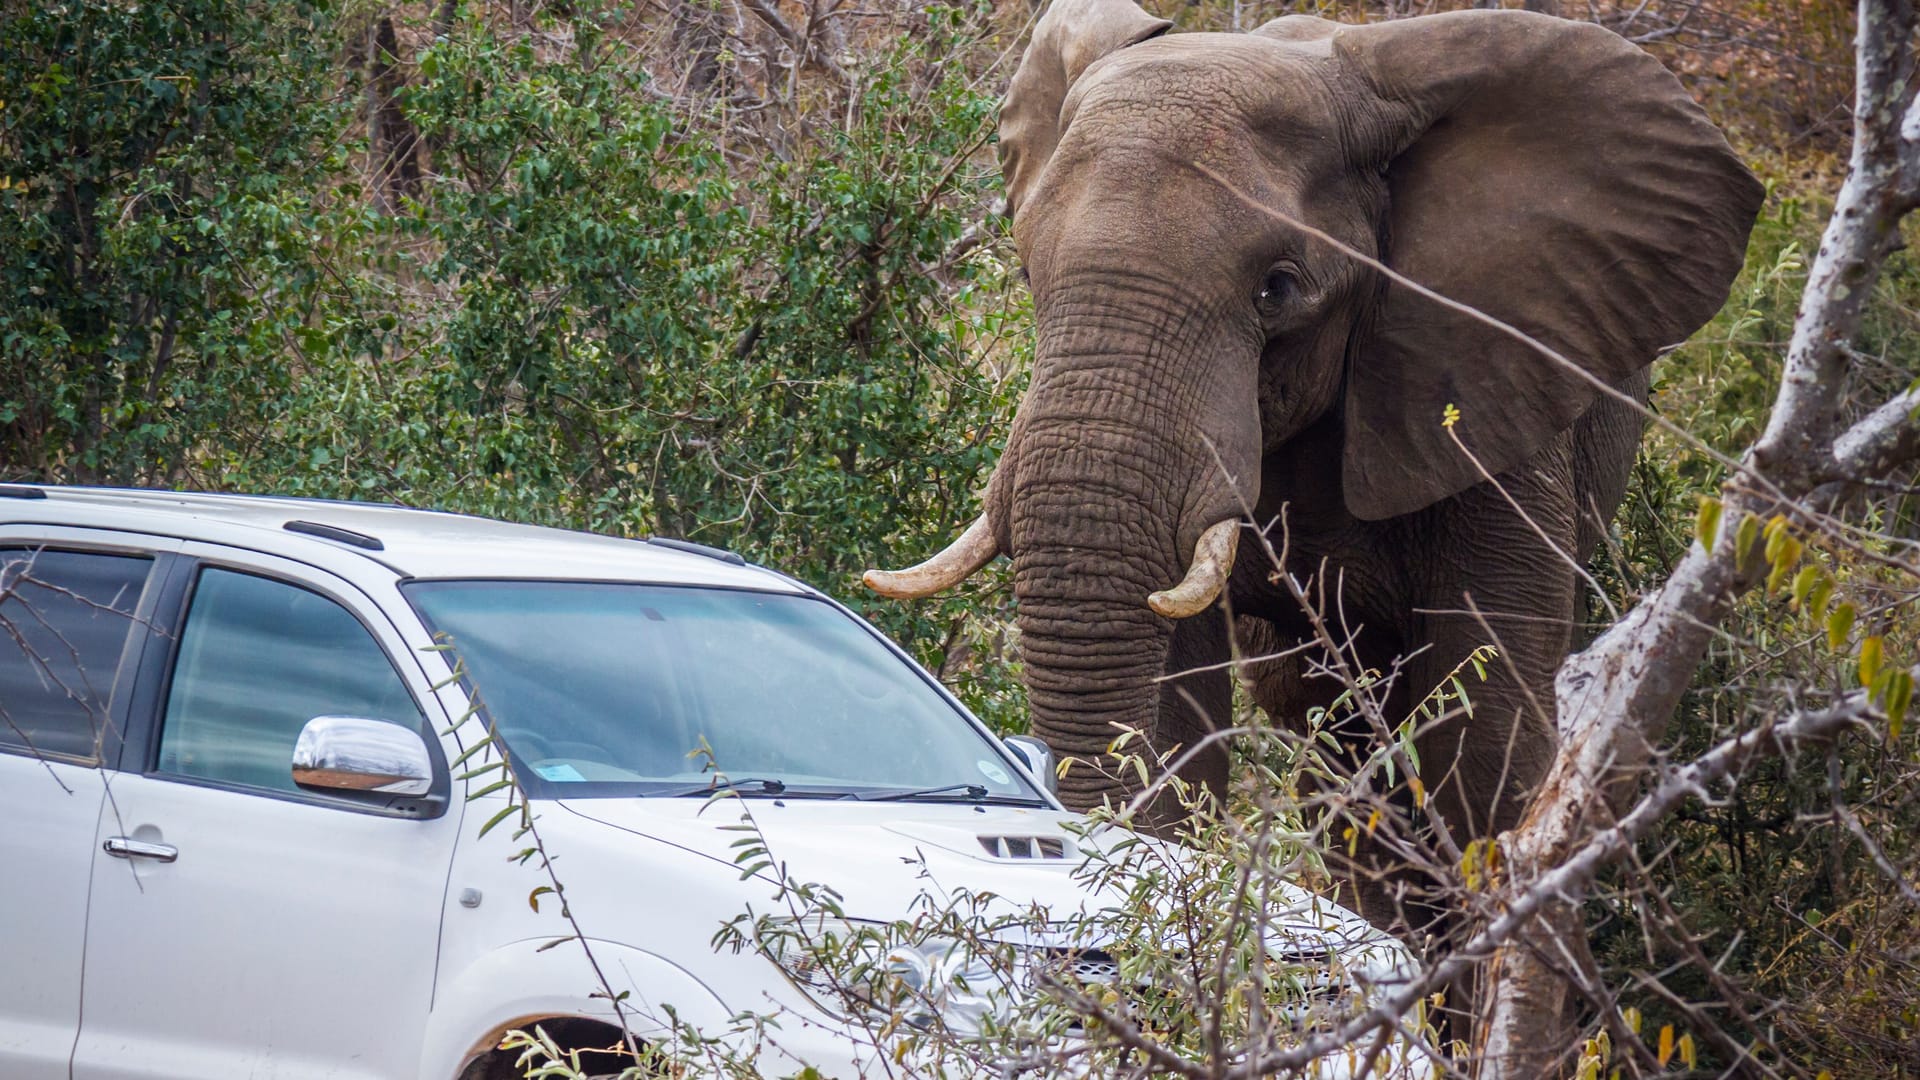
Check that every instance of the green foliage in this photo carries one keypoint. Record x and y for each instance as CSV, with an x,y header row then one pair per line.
x,y
588,313
157,212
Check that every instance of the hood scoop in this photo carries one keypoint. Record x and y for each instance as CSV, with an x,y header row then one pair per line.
x,y
1026,847
1020,842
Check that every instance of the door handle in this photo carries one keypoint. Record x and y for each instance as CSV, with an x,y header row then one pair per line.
x,y
122,848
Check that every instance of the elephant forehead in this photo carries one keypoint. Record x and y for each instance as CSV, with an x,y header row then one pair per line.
x,y
1193,88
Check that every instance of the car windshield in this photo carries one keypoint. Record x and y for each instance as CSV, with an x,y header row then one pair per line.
x,y
606,690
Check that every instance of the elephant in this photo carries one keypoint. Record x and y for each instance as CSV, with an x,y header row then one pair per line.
x,y
1393,286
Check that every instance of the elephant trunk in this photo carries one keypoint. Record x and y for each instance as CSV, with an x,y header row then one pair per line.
x,y
1128,470
1090,676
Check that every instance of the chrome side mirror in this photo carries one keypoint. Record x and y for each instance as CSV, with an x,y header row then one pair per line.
x,y
353,753
1038,758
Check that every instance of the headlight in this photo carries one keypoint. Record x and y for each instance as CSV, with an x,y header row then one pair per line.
x,y
945,980
858,965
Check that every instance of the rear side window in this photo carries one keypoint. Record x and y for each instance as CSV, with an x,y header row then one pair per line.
x,y
258,659
65,619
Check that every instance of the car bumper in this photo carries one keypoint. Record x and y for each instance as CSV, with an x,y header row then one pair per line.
x,y
840,1053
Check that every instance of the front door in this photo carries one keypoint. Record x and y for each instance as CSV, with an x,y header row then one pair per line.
x,y
239,926
70,605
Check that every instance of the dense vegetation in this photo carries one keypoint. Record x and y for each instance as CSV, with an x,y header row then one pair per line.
x,y
739,277
562,296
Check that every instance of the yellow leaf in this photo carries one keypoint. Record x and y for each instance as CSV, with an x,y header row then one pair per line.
x,y
1743,538
1631,1017
1839,625
1776,534
1706,522
1783,560
1688,1054
1665,1053
1871,657
1803,584
1449,416
1818,596
1419,790
1373,820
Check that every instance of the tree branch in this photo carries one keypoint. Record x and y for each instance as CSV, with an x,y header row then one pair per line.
x,y
1879,190
1886,439
1574,876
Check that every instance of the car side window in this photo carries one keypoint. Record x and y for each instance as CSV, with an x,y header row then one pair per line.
x,y
65,618
259,658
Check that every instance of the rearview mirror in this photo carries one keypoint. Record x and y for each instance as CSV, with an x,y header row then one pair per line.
x,y
353,753
1038,758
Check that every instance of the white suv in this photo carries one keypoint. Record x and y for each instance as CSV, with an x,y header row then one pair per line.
x,y
238,834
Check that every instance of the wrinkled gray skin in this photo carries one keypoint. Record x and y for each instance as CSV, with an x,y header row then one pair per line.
x,y
1198,355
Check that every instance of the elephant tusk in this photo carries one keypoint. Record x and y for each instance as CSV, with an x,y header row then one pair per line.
x,y
1212,561
974,549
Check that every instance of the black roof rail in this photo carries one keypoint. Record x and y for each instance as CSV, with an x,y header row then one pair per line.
x,y
335,532
692,548
21,491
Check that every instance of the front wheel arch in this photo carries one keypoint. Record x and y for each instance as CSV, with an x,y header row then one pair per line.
x,y
602,1048
520,985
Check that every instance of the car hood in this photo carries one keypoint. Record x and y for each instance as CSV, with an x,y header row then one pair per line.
x,y
887,860
881,858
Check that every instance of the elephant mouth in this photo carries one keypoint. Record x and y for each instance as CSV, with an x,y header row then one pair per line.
x,y
975,547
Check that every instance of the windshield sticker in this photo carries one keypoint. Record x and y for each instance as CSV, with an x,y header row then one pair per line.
x,y
994,772
560,771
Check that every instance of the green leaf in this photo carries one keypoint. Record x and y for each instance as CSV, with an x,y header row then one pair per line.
x,y
491,788
497,818
1743,539
470,751
1899,695
1803,584
481,771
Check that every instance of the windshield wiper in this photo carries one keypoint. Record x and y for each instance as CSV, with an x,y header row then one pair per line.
x,y
754,785
975,793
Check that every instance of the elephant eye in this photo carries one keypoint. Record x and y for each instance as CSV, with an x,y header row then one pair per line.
x,y
1277,286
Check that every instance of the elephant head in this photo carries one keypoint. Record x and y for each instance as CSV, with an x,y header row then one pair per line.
x,y
1189,207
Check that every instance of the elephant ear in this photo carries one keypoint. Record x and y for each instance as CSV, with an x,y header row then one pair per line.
x,y
1550,174
1068,38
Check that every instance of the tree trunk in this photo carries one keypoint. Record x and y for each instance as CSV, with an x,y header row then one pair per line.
x,y
1616,698
392,137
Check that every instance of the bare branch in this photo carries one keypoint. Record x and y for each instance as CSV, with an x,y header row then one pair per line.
x,y
1879,190
1886,439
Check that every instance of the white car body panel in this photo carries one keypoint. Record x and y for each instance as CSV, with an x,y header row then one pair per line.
x,y
49,809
